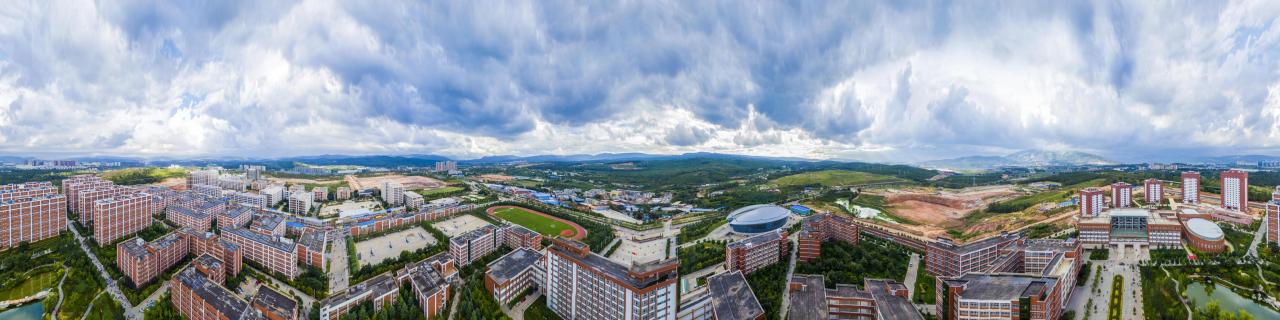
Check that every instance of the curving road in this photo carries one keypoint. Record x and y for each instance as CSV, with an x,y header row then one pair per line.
x,y
112,288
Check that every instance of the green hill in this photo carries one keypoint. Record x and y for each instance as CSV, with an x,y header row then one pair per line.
x,y
831,178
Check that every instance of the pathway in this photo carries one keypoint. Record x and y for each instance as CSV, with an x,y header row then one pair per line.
x,y
65,271
141,309
339,276
111,287
516,312
912,269
307,300
791,268
90,308
1177,286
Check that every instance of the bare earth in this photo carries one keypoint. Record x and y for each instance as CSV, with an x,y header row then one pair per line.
x,y
374,251
935,211
409,182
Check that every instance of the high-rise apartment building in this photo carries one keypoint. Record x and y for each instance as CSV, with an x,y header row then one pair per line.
x,y
945,258
1090,202
30,212
584,285
1190,187
142,261
474,244
392,193
1121,195
1154,191
1235,190
300,203
120,216
275,254
820,228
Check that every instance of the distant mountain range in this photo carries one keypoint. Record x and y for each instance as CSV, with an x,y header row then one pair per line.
x,y
615,157
1025,158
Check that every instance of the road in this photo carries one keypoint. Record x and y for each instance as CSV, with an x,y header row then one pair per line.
x,y
910,280
58,306
339,276
307,300
791,269
112,287
1122,262
141,308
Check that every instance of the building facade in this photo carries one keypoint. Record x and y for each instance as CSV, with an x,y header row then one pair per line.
x,y
142,261
273,253
30,212
1235,190
510,275
1090,202
757,251
120,216
392,193
1190,187
584,285
1154,190
945,258
1121,195
475,244
819,228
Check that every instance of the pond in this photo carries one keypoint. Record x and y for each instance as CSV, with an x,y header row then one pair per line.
x,y
1228,300
33,311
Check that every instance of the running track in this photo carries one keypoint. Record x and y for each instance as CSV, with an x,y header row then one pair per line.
x,y
580,232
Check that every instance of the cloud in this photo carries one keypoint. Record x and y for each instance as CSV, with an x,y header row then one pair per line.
x,y
898,81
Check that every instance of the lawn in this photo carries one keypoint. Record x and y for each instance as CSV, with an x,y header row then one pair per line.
x,y
1115,310
35,281
428,193
538,223
832,178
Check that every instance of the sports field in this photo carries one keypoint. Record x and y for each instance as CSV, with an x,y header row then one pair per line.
x,y
539,222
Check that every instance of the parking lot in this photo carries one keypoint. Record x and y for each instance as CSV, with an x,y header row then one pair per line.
x,y
374,251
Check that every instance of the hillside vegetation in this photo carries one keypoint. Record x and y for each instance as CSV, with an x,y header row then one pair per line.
x,y
832,178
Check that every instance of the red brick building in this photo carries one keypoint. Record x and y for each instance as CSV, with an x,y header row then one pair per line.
x,y
30,212
1154,191
141,261
757,251
188,218
510,275
311,248
517,236
272,305
945,258
197,297
1235,190
820,228
1090,202
1121,195
273,253
203,243
120,216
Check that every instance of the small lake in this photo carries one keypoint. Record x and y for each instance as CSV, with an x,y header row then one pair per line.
x,y
32,311
1228,300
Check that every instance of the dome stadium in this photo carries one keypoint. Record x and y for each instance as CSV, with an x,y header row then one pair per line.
x,y
758,218
1205,235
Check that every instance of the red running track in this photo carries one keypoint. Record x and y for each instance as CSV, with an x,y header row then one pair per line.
x,y
581,233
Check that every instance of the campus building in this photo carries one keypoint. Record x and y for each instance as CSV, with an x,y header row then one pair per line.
x,y
946,258
274,194
432,291
1090,202
268,223
392,193
510,275
89,197
211,267
141,261
1235,190
208,243
728,297
1131,226
1154,191
255,200
311,248
758,251
235,217
412,200
816,229
1204,235
584,285
1190,187
188,218
300,203
380,291
30,212
474,244
1000,296
120,216
72,186
276,254
1271,221
197,297
272,305
517,236
342,193
877,299
1121,195
320,194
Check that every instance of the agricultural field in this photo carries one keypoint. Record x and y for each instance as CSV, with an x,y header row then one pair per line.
x,y
546,225
832,178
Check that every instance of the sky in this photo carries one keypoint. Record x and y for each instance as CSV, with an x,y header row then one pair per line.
x,y
889,81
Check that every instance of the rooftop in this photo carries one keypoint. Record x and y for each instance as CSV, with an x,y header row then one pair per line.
x,y
377,286
208,262
758,239
732,298
509,266
809,302
266,221
186,212
426,281
1003,286
979,244
473,235
274,302
889,306
1204,229
261,238
618,271
214,296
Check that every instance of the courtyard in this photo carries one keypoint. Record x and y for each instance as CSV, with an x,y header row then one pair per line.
x,y
458,225
374,251
349,207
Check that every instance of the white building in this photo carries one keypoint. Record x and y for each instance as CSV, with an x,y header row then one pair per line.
x,y
413,200
392,193
274,194
300,203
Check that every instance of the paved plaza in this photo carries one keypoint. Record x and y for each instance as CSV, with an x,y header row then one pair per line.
x,y
374,251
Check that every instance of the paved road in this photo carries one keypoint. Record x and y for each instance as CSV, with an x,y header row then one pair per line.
x,y
339,276
910,280
791,269
516,312
307,300
141,308
112,287
1258,235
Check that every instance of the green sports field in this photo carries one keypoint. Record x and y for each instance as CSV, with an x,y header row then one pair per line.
x,y
537,223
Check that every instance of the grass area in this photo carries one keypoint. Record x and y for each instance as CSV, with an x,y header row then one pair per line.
x,y
132,176
104,307
925,290
843,263
538,223
701,255
1028,201
830,178
1099,254
162,310
540,311
1160,296
445,190
697,230
35,280
1115,308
